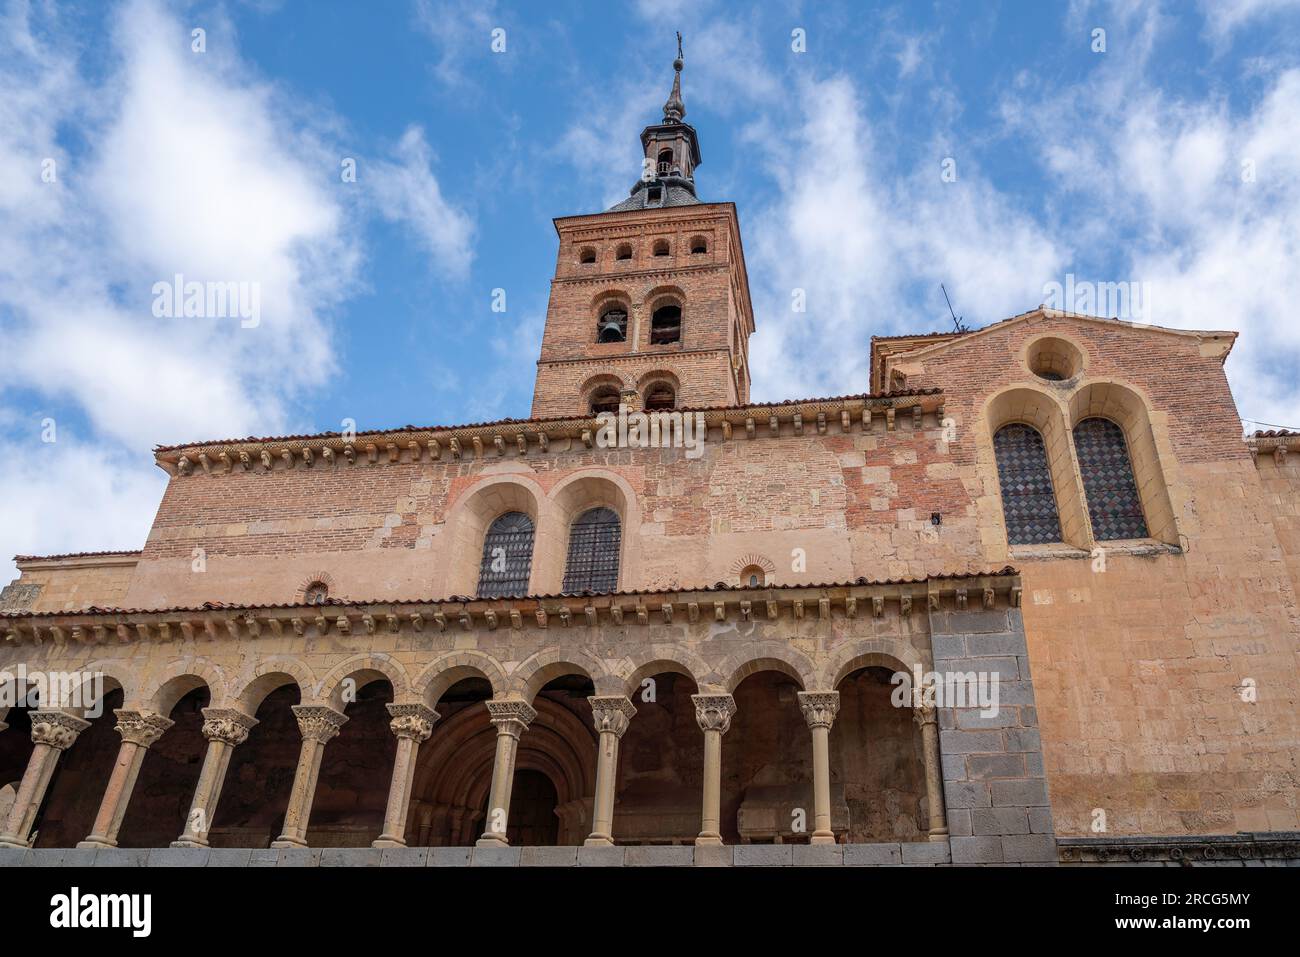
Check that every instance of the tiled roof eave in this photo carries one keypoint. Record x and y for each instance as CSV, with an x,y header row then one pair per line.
x,y
858,598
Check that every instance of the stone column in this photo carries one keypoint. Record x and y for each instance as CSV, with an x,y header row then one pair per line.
x,y
611,715
923,713
318,724
819,710
225,729
412,723
512,718
139,730
713,714
53,733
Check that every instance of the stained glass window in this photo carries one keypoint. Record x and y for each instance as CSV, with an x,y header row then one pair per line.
x,y
507,557
1028,502
1107,471
594,542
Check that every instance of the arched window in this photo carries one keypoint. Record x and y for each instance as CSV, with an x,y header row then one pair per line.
x,y
604,399
699,245
587,255
753,576
660,396
316,593
666,325
594,542
507,556
1107,472
612,325
665,162
624,251
1028,502
661,247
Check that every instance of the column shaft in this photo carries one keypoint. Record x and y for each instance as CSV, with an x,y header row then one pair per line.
x,y
412,723
53,733
819,710
511,718
139,730
319,725
611,716
713,714
925,717
225,729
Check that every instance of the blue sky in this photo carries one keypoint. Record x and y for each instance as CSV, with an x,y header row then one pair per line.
x,y
989,146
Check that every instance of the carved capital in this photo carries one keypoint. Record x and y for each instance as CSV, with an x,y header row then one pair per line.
x,y
713,711
923,711
611,713
56,728
511,716
141,727
316,722
414,721
227,725
819,707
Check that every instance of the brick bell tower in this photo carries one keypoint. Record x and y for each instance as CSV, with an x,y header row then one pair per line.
x,y
650,301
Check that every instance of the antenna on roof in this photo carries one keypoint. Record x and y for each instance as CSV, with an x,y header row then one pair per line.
x,y
956,320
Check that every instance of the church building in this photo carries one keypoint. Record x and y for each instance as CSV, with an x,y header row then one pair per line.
x,y
1030,598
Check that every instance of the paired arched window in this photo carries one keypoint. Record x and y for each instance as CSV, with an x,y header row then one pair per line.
x,y
612,325
604,399
1114,506
507,556
659,397
1028,501
666,325
595,540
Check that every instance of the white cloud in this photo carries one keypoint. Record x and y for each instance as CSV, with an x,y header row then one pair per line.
x,y
406,191
1225,16
186,163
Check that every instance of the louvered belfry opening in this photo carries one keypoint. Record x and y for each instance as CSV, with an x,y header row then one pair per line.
x,y
507,557
1028,501
1114,506
594,544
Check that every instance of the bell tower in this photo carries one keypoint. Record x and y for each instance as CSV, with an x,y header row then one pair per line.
x,y
650,301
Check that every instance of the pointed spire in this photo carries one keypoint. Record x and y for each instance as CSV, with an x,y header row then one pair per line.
x,y
675,109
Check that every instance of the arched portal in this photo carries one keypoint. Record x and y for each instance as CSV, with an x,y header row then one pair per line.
x,y
877,761
250,812
660,765
356,768
169,773
767,789
80,777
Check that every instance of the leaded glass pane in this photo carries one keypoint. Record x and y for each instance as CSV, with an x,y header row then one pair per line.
x,y
1113,502
507,557
1028,502
594,542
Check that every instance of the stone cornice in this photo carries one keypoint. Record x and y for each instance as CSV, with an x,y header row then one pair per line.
x,y
1276,446
788,603
517,438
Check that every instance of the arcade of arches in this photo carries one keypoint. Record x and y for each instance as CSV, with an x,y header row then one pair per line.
x,y
668,764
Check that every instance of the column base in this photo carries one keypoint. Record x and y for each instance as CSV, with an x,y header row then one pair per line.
x,y
283,841
7,841
491,841
385,840
598,840
709,840
93,841
189,842
822,837
939,835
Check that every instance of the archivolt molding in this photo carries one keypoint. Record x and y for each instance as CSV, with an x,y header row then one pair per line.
x,y
272,673
532,674
891,653
455,666
364,669
768,656
177,680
